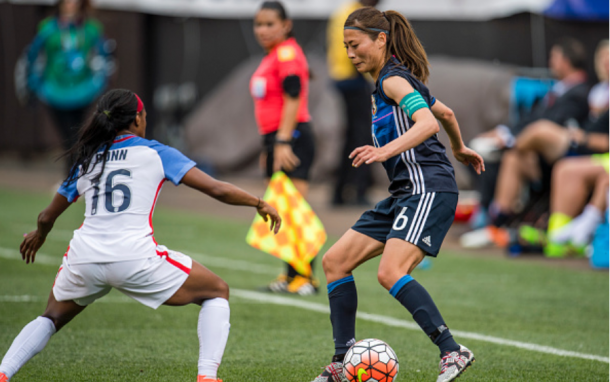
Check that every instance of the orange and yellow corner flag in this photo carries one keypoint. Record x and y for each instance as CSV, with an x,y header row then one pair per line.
x,y
301,235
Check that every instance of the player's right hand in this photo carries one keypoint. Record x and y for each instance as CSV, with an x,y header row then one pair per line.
x,y
30,245
284,158
267,212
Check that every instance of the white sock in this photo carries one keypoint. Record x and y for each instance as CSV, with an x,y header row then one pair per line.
x,y
213,331
562,235
32,339
585,224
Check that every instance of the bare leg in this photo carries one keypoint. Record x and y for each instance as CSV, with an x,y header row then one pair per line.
x,y
202,284
600,194
546,138
572,181
351,250
61,312
580,230
399,258
516,168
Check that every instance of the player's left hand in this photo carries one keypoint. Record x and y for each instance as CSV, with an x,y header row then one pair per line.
x,y
468,156
30,245
368,154
268,212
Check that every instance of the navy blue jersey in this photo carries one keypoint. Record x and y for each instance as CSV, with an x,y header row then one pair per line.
x,y
422,169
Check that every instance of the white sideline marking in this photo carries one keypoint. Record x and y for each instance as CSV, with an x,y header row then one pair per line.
x,y
301,304
28,298
220,262
237,265
41,258
394,322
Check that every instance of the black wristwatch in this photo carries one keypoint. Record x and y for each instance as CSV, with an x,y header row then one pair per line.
x,y
282,142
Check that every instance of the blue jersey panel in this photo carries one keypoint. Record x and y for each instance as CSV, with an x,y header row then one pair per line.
x,y
175,164
424,168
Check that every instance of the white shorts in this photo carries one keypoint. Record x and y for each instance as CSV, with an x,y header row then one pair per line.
x,y
151,281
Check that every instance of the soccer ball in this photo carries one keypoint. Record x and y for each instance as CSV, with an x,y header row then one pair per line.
x,y
370,360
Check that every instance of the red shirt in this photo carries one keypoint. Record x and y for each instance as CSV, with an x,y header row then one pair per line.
x,y
266,85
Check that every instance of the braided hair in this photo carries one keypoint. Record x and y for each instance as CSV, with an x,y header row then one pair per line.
x,y
116,111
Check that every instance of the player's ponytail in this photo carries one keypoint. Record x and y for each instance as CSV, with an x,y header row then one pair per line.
x,y
115,111
402,40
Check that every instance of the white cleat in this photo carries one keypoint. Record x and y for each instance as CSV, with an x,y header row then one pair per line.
x,y
453,364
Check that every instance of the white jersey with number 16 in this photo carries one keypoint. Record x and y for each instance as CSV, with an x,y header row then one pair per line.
x,y
120,203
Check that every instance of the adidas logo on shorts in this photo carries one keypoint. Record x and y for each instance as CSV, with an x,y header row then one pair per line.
x,y
427,241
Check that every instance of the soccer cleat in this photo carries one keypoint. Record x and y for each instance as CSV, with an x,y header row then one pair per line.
x,y
454,363
279,285
332,373
203,378
533,236
302,286
553,249
3,377
556,250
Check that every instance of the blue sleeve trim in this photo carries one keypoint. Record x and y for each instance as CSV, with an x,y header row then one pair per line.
x,y
330,287
432,101
404,280
69,190
178,177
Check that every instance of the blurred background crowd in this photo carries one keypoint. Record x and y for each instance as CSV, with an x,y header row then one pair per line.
x,y
528,81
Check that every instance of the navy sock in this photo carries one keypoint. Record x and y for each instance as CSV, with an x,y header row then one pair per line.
x,y
418,302
343,300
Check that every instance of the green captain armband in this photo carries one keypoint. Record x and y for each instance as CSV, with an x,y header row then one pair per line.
x,y
412,102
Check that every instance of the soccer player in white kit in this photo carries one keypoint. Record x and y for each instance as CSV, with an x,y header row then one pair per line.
x,y
120,175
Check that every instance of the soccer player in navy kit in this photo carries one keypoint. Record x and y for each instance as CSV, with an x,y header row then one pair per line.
x,y
413,221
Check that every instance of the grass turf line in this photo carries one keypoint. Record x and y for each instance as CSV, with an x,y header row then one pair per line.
x,y
126,342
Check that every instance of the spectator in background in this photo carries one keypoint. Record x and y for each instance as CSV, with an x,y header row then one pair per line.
x,y
599,94
538,141
573,181
280,88
553,141
73,74
356,93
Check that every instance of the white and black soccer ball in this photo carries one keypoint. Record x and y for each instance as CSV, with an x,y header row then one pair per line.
x,y
370,360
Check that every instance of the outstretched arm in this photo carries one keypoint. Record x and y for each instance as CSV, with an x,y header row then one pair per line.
x,y
231,194
462,153
35,239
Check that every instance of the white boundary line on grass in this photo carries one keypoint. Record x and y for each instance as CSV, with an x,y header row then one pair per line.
x,y
395,322
266,298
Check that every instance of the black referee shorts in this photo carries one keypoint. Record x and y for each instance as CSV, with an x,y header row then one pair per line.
x,y
303,146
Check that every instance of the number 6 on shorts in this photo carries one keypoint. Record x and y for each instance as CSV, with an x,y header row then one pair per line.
x,y
401,220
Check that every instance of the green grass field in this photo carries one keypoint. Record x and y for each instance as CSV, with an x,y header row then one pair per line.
x,y
119,340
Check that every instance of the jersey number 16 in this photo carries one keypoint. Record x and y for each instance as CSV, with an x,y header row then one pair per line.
x,y
109,191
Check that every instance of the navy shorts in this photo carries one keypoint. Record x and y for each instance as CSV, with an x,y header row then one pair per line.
x,y
422,220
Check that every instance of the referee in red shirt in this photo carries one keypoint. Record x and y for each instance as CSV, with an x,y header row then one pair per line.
x,y
280,88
